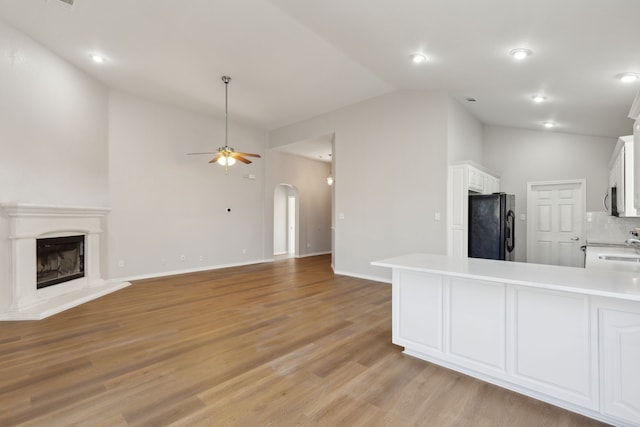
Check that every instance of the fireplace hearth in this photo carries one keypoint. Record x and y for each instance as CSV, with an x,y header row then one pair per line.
x,y
58,260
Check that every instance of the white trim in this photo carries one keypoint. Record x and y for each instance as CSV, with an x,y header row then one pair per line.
x,y
475,165
29,209
190,270
364,276
314,254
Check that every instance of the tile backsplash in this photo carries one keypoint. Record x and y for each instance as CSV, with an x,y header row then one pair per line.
x,y
602,227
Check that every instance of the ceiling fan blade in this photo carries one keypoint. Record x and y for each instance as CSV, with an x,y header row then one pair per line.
x,y
215,159
247,154
242,159
208,152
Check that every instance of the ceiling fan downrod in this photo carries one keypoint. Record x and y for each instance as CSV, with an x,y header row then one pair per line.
x,y
226,80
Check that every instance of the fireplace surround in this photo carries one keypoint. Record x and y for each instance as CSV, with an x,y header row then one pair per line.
x,y
24,298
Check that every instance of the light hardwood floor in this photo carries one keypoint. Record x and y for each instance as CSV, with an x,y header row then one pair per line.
x,y
276,344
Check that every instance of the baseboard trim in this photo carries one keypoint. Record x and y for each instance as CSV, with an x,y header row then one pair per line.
x,y
314,254
363,276
189,270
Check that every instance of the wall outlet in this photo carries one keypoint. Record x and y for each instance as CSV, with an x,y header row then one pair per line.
x,y
436,216
183,257
121,263
201,258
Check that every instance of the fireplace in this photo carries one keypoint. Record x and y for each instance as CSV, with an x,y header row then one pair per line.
x,y
58,260
51,245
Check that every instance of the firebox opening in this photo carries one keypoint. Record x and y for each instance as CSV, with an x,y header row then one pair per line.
x,y
59,259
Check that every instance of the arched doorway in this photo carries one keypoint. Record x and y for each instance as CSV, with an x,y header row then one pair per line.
x,y
285,221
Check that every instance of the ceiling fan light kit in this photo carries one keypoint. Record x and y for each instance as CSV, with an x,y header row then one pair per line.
x,y
628,77
520,53
226,156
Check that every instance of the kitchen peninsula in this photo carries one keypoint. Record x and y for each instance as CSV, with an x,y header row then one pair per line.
x,y
567,336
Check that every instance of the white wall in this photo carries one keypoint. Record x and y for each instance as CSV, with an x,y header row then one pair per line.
x,y
521,156
53,133
309,178
464,133
390,166
53,123
166,204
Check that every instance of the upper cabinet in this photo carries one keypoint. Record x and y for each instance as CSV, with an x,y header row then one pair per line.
x,y
465,178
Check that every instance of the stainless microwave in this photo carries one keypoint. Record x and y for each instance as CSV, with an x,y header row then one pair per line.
x,y
610,202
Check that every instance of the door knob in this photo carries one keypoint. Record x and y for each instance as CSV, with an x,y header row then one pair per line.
x,y
575,238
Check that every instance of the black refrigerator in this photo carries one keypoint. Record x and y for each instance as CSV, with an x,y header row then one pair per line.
x,y
491,226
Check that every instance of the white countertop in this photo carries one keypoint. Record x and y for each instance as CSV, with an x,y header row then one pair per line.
x,y
614,284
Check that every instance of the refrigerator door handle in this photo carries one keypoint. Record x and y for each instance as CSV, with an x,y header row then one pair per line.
x,y
511,238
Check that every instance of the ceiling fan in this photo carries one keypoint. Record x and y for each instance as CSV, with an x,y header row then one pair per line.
x,y
227,156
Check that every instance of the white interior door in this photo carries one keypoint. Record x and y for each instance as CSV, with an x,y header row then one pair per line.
x,y
555,230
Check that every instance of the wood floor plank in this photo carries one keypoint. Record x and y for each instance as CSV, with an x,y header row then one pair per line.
x,y
286,343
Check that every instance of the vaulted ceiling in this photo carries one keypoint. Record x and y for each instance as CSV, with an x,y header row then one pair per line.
x,y
295,59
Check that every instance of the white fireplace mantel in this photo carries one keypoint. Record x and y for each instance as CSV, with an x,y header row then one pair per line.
x,y
29,222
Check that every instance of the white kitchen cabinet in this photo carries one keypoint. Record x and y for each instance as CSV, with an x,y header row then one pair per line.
x,y
419,323
476,179
553,348
491,184
620,352
465,178
563,335
476,324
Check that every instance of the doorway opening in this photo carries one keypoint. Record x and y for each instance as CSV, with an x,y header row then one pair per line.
x,y
285,221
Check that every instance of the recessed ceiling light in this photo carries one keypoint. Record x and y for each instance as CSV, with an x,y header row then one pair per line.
x,y
549,125
628,77
520,53
539,98
418,58
98,59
